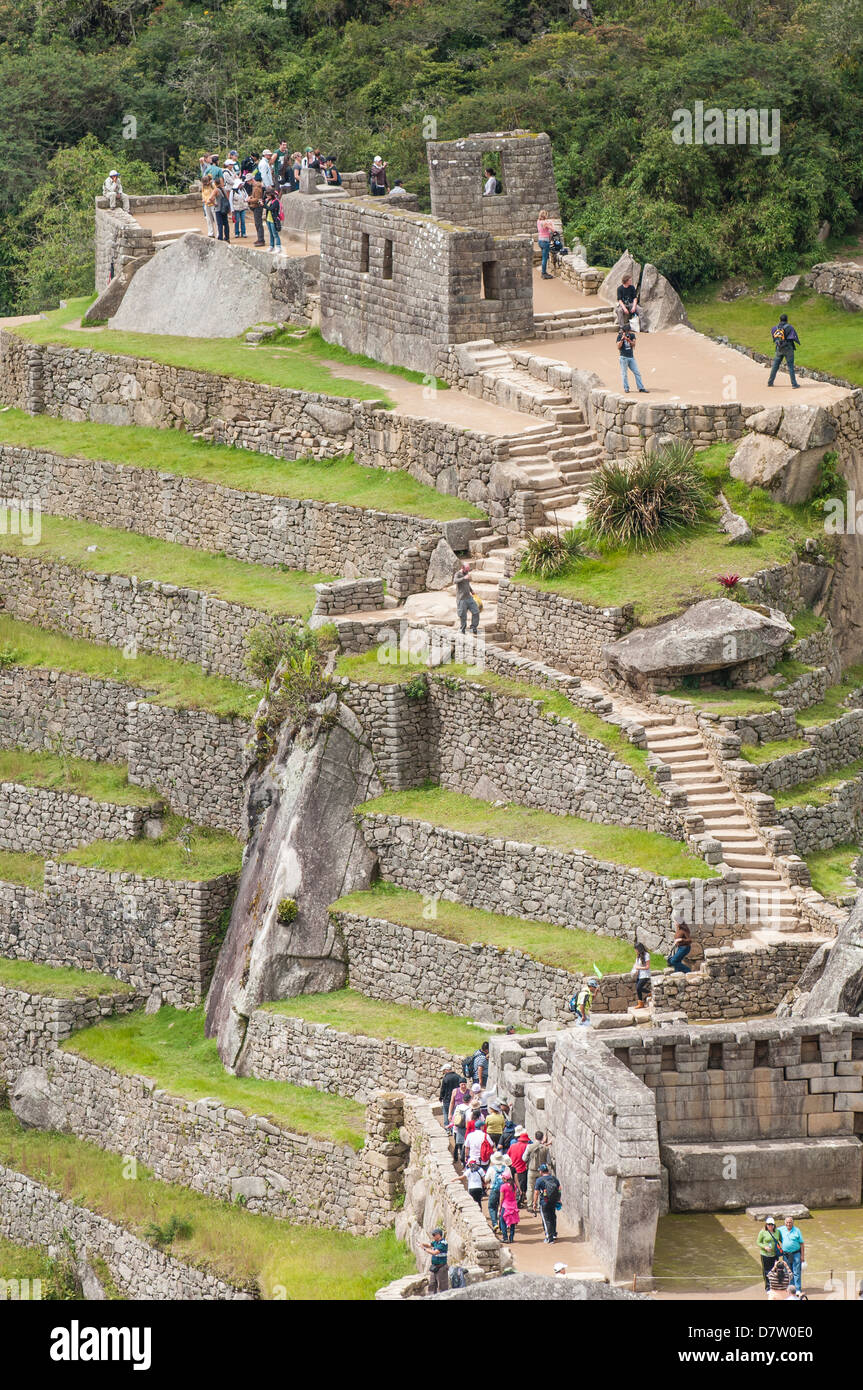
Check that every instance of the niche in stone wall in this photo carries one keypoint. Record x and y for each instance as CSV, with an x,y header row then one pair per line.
x,y
387,264
364,253
490,284
492,160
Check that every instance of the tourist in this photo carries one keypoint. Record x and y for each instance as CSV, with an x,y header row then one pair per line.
x,y
112,189
297,160
785,340
547,1196
239,203
680,948
768,1246
515,1154
222,209
584,1000
474,1141
627,302
544,230
460,1096
265,169
499,1169
641,971
459,1129
537,1153
256,207
398,186
273,217
465,599
509,1217
493,184
439,1268
331,174
209,189
494,1121
626,348
450,1081
509,1127
283,168
777,1279
378,177
475,1182
793,1250
560,1268
480,1067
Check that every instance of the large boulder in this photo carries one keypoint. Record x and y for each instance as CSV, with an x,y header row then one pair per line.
x,y
709,636
625,265
833,980
35,1103
442,566
790,475
660,306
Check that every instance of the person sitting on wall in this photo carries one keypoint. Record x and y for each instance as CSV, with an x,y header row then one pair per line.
x,y
378,177
398,187
112,189
627,302
493,185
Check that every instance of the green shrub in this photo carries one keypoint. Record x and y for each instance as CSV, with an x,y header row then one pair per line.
x,y
175,1228
417,688
287,911
642,503
551,553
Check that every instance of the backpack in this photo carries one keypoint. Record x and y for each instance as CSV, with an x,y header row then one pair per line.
x,y
467,1066
551,1193
456,1277
498,186
779,334
572,1004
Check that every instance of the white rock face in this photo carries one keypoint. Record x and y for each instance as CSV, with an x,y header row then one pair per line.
x,y
709,636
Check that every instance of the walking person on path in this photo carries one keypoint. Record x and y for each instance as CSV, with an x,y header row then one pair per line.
x,y
626,349
641,971
768,1248
459,1123
785,340
450,1081
439,1268
681,946
544,232
519,1162
793,1250
498,1170
538,1155
546,1196
584,1001
509,1217
465,599
475,1183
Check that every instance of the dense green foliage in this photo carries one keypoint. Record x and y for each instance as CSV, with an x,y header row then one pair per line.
x,y
366,76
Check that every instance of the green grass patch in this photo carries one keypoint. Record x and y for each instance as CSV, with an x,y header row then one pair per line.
x,y
175,451
725,699
272,366
567,948
829,869
638,849
313,345
174,684
170,1047
806,623
271,590
189,853
311,1263
368,667
659,583
832,705
18,1262
349,1012
100,781
819,790
776,748
26,869
830,335
33,978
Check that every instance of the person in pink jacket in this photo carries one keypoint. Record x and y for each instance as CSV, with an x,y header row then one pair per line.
x,y
509,1216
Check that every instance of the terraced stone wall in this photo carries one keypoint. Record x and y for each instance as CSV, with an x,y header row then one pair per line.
x,y
32,1026
832,747
735,983
838,822
150,933
39,820
561,630
193,757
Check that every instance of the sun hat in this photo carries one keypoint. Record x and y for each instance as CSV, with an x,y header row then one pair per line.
x,y
112,174
560,1267
499,1160
771,1221
476,1086
519,1131
266,154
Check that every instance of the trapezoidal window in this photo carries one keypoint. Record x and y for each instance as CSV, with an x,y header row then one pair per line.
x,y
364,253
490,288
387,264
492,169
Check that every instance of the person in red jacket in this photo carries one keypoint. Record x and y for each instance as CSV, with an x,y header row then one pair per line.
x,y
519,1162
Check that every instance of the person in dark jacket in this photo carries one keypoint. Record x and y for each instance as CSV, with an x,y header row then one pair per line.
x,y
626,349
785,340
449,1083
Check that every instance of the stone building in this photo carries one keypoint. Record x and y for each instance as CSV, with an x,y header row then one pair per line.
x,y
522,162
398,285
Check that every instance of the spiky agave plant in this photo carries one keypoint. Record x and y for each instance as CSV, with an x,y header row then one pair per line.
x,y
548,554
648,500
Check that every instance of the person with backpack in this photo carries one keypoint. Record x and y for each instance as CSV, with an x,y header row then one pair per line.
x,y
208,198
273,217
498,1170
515,1154
538,1155
581,1004
480,1066
493,185
626,349
222,208
475,1183
378,177
509,1127
450,1081
239,203
460,1096
459,1131
785,340
641,971
547,1196
494,1122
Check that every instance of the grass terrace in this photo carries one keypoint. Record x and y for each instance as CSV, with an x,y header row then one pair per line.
x,y
175,451
830,870
170,1047
637,849
349,1012
271,365
716,699
776,748
100,781
659,583
819,790
833,705
174,684
251,1251
184,852
368,667
567,948
831,335
34,1263
33,978
104,550
28,870
310,343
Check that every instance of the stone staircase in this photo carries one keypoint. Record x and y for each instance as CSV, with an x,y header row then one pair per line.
x,y
575,323
771,905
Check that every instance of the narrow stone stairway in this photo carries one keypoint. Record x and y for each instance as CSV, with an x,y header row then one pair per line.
x,y
575,323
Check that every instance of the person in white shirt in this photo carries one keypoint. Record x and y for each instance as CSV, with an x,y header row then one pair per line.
x,y
490,184
474,1142
265,170
112,189
641,971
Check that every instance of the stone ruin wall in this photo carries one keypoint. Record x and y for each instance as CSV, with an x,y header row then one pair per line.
x,y
524,163
841,281
32,1026
40,820
150,933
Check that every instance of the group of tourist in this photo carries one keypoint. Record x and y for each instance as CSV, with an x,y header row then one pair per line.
x,y
783,1258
